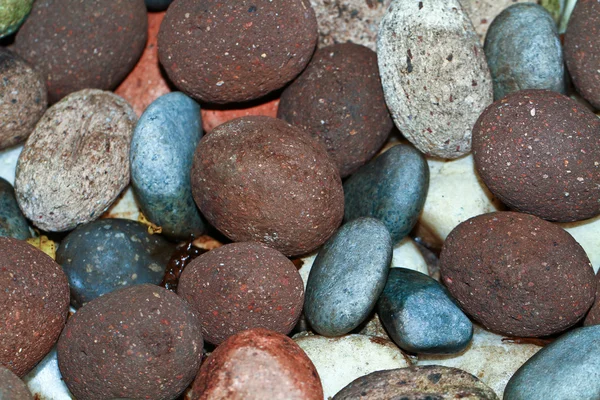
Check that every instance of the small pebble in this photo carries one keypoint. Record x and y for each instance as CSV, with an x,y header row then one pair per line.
x,y
11,387
12,221
12,14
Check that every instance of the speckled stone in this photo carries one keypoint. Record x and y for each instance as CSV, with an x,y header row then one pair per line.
x,y
11,387
523,51
391,188
420,316
12,221
108,254
348,276
566,369
158,5
138,342
162,151
13,14
539,152
242,286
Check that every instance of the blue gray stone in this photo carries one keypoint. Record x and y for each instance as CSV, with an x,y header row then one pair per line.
x,y
12,221
158,5
162,151
420,316
568,368
109,254
348,276
523,51
391,188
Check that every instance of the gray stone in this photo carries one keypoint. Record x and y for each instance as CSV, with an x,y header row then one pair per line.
x,y
420,315
162,151
12,221
348,276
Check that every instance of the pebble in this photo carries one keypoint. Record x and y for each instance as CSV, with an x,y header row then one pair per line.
x,y
566,369
406,254
162,151
22,98
348,276
35,302
392,188
12,221
137,342
257,364
517,274
76,161
109,254
523,51
82,45
12,14
11,387
434,74
420,316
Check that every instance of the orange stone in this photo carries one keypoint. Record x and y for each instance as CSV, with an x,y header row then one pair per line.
x,y
212,118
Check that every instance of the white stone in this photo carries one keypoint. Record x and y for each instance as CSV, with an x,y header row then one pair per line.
x,y
8,163
407,255
45,381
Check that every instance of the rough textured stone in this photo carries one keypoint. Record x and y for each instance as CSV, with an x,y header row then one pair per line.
x,y
434,74
11,387
13,14
348,276
162,151
12,221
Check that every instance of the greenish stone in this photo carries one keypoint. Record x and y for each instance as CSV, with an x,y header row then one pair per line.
x,y
12,14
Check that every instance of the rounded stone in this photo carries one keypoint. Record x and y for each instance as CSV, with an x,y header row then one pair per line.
x,y
108,254
232,51
34,301
11,387
12,221
539,152
162,151
523,51
417,383
242,286
434,74
258,364
391,188
261,179
348,276
12,14
76,161
582,49
565,369
83,44
23,99
338,99
138,342
517,274
158,5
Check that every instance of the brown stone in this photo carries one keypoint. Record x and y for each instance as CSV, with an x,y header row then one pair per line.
x,y
11,387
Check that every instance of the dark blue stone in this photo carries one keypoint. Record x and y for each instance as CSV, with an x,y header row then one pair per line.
x,y
348,276
566,369
12,221
391,188
523,51
420,316
109,254
158,5
162,151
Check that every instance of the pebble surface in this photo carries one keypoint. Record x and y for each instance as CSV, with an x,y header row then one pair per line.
x,y
12,221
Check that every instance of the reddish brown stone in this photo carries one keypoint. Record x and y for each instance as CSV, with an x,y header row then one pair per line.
x,y
255,365
11,387
34,302
213,117
517,274
242,286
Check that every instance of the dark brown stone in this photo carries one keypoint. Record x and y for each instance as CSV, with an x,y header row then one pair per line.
x,y
593,316
517,274
260,179
34,302
258,364
83,44
140,342
242,286
539,152
231,51
339,100
11,387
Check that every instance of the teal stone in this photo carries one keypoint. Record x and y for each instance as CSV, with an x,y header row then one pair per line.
x,y
12,221
12,14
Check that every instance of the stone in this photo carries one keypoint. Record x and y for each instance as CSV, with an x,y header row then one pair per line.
x,y
392,188
434,74
12,221
406,254
593,316
108,254
565,369
348,276
45,381
523,51
420,315
162,151
11,387
12,14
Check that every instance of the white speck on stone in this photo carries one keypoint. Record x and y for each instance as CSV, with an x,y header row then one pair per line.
x,y
220,83
532,112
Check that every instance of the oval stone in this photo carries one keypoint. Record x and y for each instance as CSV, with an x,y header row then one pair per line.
x,y
109,254
348,276
162,151
12,221
391,188
523,51
566,369
420,316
